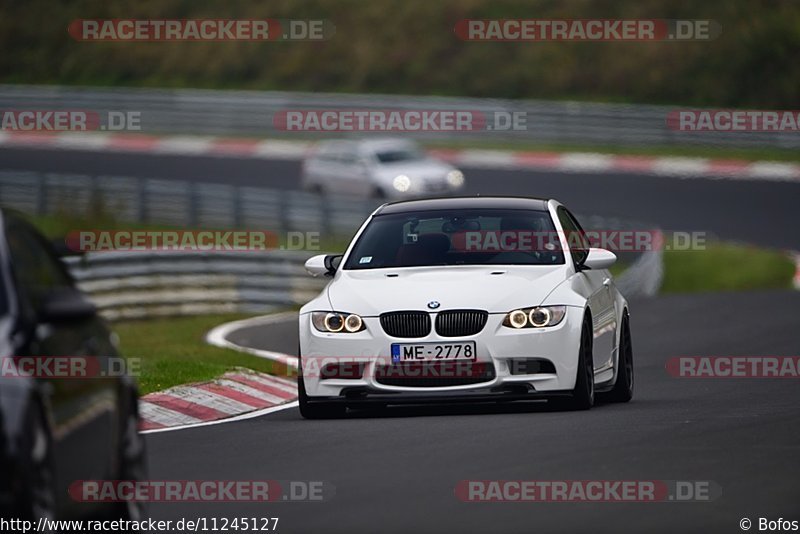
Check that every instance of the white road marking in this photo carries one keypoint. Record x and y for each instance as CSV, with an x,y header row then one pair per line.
x,y
218,337
82,140
681,167
250,415
585,162
183,145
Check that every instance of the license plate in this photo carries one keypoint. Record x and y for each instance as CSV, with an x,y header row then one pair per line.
x,y
422,352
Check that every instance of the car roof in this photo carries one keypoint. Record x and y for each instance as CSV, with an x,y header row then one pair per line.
x,y
430,204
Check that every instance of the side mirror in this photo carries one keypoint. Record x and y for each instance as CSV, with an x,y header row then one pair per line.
x,y
599,258
323,264
65,305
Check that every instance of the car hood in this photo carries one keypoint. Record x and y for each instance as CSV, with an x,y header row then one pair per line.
x,y
495,288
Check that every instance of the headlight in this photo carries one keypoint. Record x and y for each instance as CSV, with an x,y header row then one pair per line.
x,y
537,317
455,178
402,183
337,322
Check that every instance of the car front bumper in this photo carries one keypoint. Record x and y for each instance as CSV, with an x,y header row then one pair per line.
x,y
496,345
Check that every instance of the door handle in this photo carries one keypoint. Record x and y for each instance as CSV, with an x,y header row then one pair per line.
x,y
606,282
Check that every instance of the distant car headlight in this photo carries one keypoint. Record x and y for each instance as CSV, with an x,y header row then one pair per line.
x,y
537,317
455,178
402,183
337,322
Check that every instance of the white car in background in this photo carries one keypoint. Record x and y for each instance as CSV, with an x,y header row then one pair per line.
x,y
378,168
438,300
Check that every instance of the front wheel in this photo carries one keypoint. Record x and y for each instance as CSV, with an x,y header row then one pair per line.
x,y
582,396
623,387
315,410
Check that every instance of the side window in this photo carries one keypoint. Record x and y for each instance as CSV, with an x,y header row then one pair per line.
x,y
36,269
576,238
348,157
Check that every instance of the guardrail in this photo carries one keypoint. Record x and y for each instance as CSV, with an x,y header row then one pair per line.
x,y
251,113
183,203
126,285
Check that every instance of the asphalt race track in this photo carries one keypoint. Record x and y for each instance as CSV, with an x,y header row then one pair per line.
x,y
764,213
397,472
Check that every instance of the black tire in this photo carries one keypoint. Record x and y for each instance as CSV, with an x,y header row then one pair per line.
x,y
623,387
37,497
133,462
315,410
582,396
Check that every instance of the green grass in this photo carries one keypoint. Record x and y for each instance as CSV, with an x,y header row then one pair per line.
x,y
726,267
55,226
173,351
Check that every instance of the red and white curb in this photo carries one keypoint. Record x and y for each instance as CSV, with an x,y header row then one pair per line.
x,y
582,162
234,393
237,395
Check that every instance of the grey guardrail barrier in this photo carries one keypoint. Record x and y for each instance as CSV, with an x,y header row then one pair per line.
x,y
251,113
182,203
150,283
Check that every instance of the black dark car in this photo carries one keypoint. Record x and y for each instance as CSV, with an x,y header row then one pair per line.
x,y
58,428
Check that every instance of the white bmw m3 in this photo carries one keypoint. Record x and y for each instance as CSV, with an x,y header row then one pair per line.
x,y
482,299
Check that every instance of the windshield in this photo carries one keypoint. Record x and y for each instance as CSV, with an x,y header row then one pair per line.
x,y
399,154
457,237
